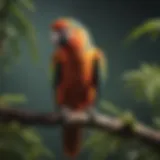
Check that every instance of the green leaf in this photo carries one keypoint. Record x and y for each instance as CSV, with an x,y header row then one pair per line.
x,y
102,145
151,26
144,83
129,119
156,121
1,4
12,44
96,137
10,153
13,98
29,31
31,136
22,140
27,4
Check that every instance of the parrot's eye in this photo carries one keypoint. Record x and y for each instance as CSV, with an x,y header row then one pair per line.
x,y
65,33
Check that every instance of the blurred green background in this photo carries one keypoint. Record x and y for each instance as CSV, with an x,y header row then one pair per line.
x,y
109,23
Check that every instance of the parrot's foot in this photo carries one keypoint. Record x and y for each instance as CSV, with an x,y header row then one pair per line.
x,y
92,113
65,111
66,114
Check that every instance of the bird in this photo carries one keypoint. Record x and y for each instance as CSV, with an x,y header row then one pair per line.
x,y
77,68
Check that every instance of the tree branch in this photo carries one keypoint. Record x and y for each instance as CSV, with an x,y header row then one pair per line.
x,y
113,125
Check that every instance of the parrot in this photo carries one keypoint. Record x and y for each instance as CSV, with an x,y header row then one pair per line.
x,y
77,68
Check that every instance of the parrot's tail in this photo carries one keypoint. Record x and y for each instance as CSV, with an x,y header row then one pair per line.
x,y
72,137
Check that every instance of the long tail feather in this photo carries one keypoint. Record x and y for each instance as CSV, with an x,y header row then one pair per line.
x,y
72,137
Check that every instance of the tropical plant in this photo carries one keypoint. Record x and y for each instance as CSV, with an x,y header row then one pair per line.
x,y
15,27
16,141
145,86
150,27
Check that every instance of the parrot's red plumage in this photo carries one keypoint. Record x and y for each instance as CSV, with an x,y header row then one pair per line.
x,y
76,64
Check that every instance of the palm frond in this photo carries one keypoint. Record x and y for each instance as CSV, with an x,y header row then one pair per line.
x,y
27,4
10,99
27,28
151,27
144,82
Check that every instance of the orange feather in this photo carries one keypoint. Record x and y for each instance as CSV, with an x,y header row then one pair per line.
x,y
76,90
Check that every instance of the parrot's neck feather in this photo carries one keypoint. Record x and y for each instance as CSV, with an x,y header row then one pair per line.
x,y
73,50
78,49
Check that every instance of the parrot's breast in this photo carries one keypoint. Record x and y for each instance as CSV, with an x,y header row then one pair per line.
x,y
77,81
77,69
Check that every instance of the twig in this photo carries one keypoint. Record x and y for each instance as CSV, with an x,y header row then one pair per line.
x,y
106,123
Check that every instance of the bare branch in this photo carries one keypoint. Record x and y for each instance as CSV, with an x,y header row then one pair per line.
x,y
113,125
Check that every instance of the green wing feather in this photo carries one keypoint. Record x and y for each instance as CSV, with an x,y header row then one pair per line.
x,y
103,68
55,74
100,75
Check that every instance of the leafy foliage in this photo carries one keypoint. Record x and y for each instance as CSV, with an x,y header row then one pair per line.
x,y
151,27
16,28
144,83
16,141
101,144
21,26
10,99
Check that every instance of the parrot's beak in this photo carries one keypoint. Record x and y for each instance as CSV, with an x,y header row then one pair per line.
x,y
59,38
55,38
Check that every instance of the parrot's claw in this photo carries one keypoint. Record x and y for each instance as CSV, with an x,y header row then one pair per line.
x,y
64,111
92,113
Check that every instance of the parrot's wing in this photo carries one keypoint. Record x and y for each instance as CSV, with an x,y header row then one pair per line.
x,y
99,72
96,74
103,67
100,68
56,75
55,70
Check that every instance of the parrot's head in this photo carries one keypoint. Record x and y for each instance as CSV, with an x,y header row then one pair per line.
x,y
68,32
